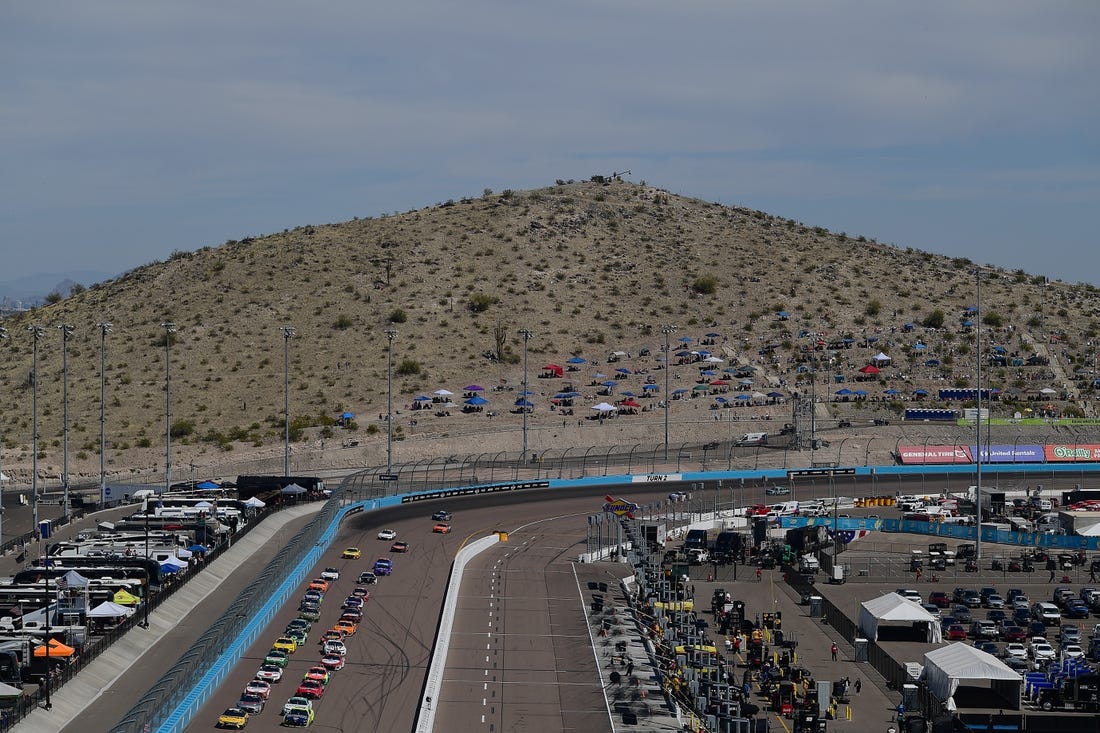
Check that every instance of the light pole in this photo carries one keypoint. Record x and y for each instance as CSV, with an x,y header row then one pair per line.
x,y
37,332
3,337
391,334
104,329
288,333
169,329
66,332
527,334
148,579
978,431
667,330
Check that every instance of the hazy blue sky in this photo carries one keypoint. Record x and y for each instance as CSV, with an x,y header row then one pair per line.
x,y
132,129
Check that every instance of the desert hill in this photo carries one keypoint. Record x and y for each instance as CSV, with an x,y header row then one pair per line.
x,y
589,267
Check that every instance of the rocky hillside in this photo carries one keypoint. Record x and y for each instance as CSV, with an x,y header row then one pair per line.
x,y
589,267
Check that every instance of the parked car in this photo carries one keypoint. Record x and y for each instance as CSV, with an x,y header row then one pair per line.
x,y
955,632
940,598
1069,634
983,629
777,491
1041,651
1014,633
962,613
910,594
994,600
1072,651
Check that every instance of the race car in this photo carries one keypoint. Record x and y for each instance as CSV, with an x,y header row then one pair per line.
x,y
441,528
351,553
318,673
311,689
298,716
233,718
269,673
332,662
387,534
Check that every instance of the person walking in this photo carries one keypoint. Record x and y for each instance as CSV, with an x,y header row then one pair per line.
x,y
760,575
834,649
859,685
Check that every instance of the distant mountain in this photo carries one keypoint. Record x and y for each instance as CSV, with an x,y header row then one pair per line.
x,y
32,290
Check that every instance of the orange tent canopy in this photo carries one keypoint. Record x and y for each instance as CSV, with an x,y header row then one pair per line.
x,y
57,649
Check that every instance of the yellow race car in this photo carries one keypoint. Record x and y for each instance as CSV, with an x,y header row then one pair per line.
x,y
233,718
285,644
351,553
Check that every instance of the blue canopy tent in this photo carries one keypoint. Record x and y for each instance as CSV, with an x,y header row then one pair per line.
x,y
576,360
207,486
523,402
650,387
476,400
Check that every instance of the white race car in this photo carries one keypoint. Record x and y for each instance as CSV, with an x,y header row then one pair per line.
x,y
387,534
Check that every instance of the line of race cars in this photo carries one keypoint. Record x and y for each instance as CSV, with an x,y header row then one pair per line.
x,y
299,711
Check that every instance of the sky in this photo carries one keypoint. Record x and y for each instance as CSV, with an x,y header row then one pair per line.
x,y
131,130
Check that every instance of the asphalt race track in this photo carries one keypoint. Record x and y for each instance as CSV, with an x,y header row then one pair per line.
x,y
387,659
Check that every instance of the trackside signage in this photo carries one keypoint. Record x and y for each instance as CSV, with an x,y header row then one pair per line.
x,y
620,507
939,454
1063,453
652,477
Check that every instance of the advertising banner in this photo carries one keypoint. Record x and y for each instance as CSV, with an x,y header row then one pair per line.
x,y
1010,453
1072,453
924,454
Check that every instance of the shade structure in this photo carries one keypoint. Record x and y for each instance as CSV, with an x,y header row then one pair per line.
x,y
523,402
255,503
576,360
207,486
473,388
443,393
57,649
870,369
292,490
109,610
476,400
198,548
604,407
125,598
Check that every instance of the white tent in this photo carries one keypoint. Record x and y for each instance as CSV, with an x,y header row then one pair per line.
x,y
893,607
255,503
945,668
4,476
604,407
109,610
74,579
880,357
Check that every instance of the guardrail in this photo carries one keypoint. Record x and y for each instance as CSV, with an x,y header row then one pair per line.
x,y
426,716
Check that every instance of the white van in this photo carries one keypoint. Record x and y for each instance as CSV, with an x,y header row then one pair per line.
x,y
785,508
752,439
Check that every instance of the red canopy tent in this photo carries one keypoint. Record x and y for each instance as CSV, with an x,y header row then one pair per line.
x,y
554,369
870,369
